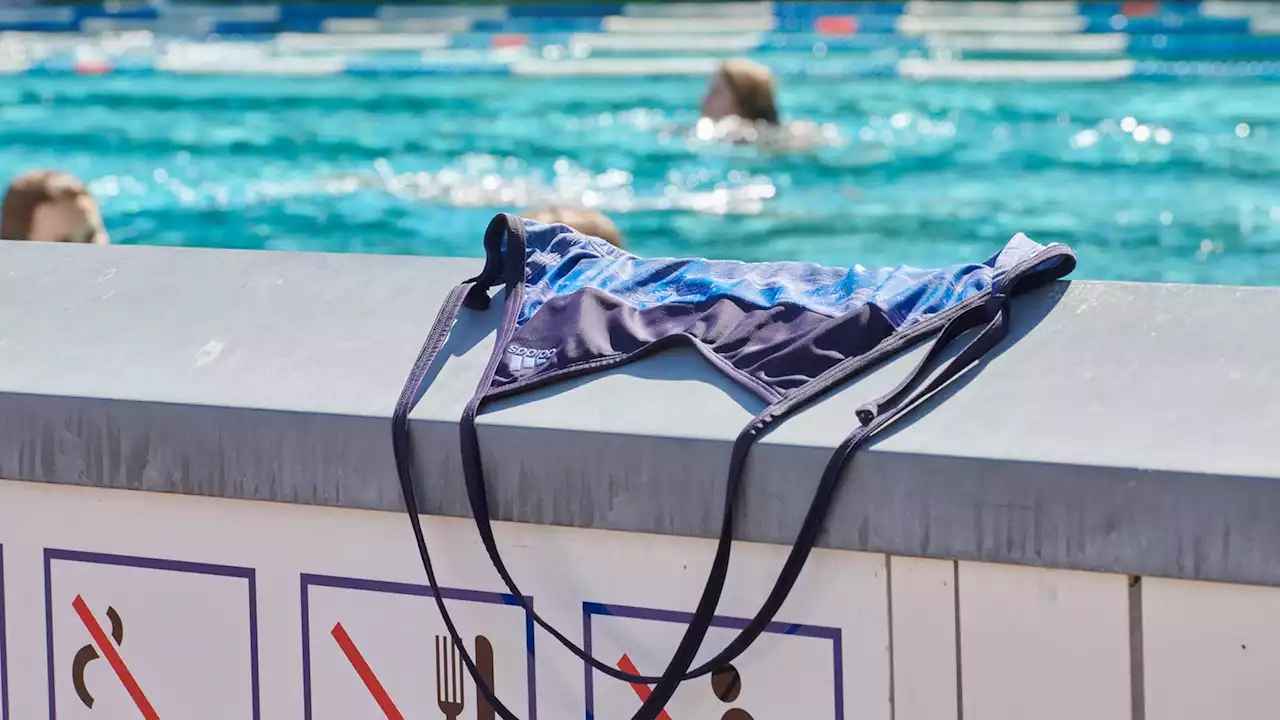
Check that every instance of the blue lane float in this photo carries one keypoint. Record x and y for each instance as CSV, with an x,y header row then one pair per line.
x,y
1135,18
919,40
911,69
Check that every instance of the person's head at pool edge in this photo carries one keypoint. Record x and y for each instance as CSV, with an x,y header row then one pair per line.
x,y
51,206
741,88
584,220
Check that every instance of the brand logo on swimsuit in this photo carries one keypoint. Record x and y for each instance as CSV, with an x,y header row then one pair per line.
x,y
519,358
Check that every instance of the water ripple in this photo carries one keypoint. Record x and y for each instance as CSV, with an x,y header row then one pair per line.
x,y
1148,182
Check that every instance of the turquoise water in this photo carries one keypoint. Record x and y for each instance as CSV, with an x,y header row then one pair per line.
x,y
1174,182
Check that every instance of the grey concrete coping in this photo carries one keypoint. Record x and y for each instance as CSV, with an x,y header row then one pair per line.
x,y
1124,427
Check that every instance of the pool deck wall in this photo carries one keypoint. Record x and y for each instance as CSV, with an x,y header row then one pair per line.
x,y
178,426
1126,428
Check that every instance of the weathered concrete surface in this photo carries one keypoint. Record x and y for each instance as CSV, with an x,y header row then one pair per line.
x,y
1128,428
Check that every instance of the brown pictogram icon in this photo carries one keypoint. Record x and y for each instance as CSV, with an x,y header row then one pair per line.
x,y
89,653
726,683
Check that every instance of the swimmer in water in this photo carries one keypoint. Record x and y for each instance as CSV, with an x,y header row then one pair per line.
x,y
740,107
584,220
50,206
741,89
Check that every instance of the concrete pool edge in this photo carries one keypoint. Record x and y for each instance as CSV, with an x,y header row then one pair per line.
x,y
1123,428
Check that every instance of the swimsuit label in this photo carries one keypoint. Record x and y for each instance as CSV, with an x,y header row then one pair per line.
x,y
520,358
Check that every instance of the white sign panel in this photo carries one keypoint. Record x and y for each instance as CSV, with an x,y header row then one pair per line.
x,y
374,649
136,637
790,671
205,609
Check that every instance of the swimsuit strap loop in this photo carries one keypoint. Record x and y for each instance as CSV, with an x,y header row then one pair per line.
x,y
956,327
503,259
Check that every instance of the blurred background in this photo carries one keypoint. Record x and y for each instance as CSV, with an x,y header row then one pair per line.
x,y
1144,134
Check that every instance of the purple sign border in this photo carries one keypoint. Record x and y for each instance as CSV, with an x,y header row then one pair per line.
x,y
232,571
308,580
590,610
4,655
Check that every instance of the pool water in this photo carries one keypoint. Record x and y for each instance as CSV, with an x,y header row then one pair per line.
x,y
1174,181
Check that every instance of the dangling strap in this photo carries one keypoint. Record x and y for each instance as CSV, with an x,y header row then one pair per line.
x,y
817,512
816,515
474,294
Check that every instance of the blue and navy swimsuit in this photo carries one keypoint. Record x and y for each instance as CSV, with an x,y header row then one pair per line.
x,y
788,332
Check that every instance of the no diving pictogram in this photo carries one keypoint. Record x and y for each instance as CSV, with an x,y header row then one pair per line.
x,y
89,653
145,638
108,650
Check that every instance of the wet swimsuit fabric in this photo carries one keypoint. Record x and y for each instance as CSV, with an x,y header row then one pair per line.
x,y
770,326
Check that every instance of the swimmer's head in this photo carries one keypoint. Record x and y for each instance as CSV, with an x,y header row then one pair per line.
x,y
49,206
584,220
742,88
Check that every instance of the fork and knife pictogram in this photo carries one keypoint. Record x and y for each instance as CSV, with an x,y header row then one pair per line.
x,y
451,696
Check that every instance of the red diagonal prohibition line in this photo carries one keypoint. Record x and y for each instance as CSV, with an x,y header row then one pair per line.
x,y
113,658
365,672
642,690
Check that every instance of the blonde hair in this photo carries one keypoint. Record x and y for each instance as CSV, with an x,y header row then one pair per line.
x,y
752,86
584,220
27,193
